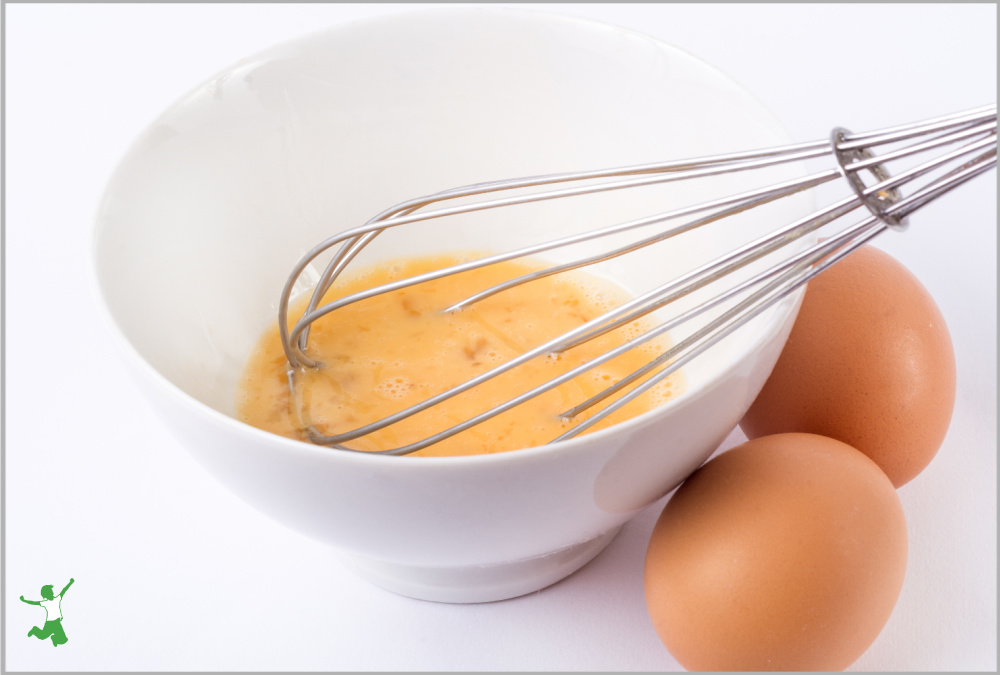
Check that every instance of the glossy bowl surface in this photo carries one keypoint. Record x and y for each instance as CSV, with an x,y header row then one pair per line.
x,y
215,202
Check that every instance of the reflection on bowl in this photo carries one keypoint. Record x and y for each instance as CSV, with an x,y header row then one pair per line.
x,y
216,201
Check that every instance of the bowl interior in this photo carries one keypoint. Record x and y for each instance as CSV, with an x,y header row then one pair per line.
x,y
223,193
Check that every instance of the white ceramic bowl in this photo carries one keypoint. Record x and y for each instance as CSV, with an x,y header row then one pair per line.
x,y
219,197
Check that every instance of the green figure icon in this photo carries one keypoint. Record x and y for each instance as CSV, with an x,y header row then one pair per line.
x,y
53,616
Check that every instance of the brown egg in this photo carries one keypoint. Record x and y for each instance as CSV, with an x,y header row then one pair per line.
x,y
785,553
868,362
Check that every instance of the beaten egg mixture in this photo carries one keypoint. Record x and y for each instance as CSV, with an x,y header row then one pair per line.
x,y
394,350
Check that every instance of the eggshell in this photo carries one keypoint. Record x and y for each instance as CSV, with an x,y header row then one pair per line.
x,y
868,362
785,553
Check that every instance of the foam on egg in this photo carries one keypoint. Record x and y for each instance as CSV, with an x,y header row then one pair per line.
x,y
387,353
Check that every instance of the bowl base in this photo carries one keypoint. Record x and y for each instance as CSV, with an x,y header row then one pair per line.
x,y
479,583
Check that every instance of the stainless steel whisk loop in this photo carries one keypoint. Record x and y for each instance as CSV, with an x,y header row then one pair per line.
x,y
963,146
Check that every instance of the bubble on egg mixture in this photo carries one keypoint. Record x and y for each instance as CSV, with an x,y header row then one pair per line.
x,y
394,388
661,393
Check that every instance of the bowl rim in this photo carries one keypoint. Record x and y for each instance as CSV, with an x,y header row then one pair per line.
x,y
779,311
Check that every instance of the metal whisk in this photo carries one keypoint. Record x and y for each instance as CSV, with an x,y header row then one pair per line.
x,y
959,147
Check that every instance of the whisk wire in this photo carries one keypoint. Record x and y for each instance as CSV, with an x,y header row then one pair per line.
x,y
625,313
853,154
356,240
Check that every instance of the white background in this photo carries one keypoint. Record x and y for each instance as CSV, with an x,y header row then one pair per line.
x,y
173,572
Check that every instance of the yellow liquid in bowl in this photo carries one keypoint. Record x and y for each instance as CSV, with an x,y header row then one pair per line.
x,y
394,350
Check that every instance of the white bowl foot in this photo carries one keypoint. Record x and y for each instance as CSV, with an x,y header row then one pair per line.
x,y
479,583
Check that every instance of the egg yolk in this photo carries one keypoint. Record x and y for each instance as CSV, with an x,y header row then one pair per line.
x,y
386,353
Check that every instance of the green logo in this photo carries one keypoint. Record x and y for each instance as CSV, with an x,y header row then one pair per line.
x,y
53,616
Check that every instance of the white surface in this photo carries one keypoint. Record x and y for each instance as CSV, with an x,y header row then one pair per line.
x,y
172,572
